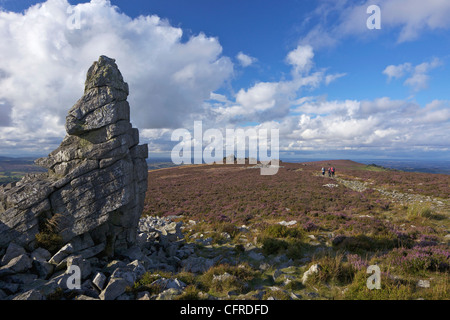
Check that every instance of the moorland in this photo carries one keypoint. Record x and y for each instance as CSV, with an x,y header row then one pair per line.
x,y
273,229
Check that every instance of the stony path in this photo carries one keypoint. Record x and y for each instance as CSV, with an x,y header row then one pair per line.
x,y
396,196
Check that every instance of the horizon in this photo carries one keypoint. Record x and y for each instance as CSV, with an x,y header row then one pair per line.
x,y
332,86
435,166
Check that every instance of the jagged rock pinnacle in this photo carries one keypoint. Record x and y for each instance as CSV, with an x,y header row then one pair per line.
x,y
97,177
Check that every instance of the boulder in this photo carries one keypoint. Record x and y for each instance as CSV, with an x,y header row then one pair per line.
x,y
99,281
41,254
114,289
29,295
12,251
43,268
80,262
315,268
18,264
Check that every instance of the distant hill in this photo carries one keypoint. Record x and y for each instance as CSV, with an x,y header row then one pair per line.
x,y
13,169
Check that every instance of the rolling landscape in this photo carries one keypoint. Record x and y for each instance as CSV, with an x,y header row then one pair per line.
x,y
296,235
331,119
267,231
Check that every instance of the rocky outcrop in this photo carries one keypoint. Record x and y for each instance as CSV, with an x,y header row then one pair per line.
x,y
40,275
93,192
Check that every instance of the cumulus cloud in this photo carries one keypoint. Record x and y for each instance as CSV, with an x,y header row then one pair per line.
x,y
395,72
245,60
417,76
44,58
315,123
43,63
379,123
301,58
266,101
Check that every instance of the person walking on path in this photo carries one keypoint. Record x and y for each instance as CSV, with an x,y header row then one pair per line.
x,y
323,171
329,172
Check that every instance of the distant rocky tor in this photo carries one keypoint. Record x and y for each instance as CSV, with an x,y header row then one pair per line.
x,y
93,194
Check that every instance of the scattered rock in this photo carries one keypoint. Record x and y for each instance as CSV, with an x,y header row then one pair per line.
x,y
114,289
315,268
423,284
331,185
80,262
62,254
287,223
169,294
41,254
223,277
16,265
12,251
197,264
99,281
145,295
29,295
84,297
258,256
43,268
165,284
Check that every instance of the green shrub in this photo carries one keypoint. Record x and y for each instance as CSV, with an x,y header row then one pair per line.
x,y
235,280
422,210
49,237
295,250
273,246
50,241
280,231
333,269
390,289
277,295
189,293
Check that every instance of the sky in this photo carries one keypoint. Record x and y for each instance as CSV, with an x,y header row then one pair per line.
x,y
313,69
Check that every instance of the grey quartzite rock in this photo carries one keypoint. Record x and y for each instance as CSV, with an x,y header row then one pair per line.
x,y
96,181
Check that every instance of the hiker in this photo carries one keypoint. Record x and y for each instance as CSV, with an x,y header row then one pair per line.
x,y
332,171
323,171
329,172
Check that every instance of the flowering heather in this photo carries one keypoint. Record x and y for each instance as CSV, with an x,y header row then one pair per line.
x,y
310,226
366,218
421,258
243,194
357,262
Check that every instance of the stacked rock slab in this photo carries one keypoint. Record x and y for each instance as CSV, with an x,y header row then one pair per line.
x,y
96,179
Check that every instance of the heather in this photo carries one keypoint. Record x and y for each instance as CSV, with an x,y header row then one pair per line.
x,y
277,227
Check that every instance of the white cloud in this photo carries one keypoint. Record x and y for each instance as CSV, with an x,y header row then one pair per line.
x,y
245,60
173,82
379,123
301,58
43,64
265,101
331,77
415,16
409,19
417,77
396,72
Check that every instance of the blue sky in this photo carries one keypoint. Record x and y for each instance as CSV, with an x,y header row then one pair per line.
x,y
311,69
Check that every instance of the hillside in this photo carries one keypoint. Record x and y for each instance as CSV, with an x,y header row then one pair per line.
x,y
278,227
13,169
